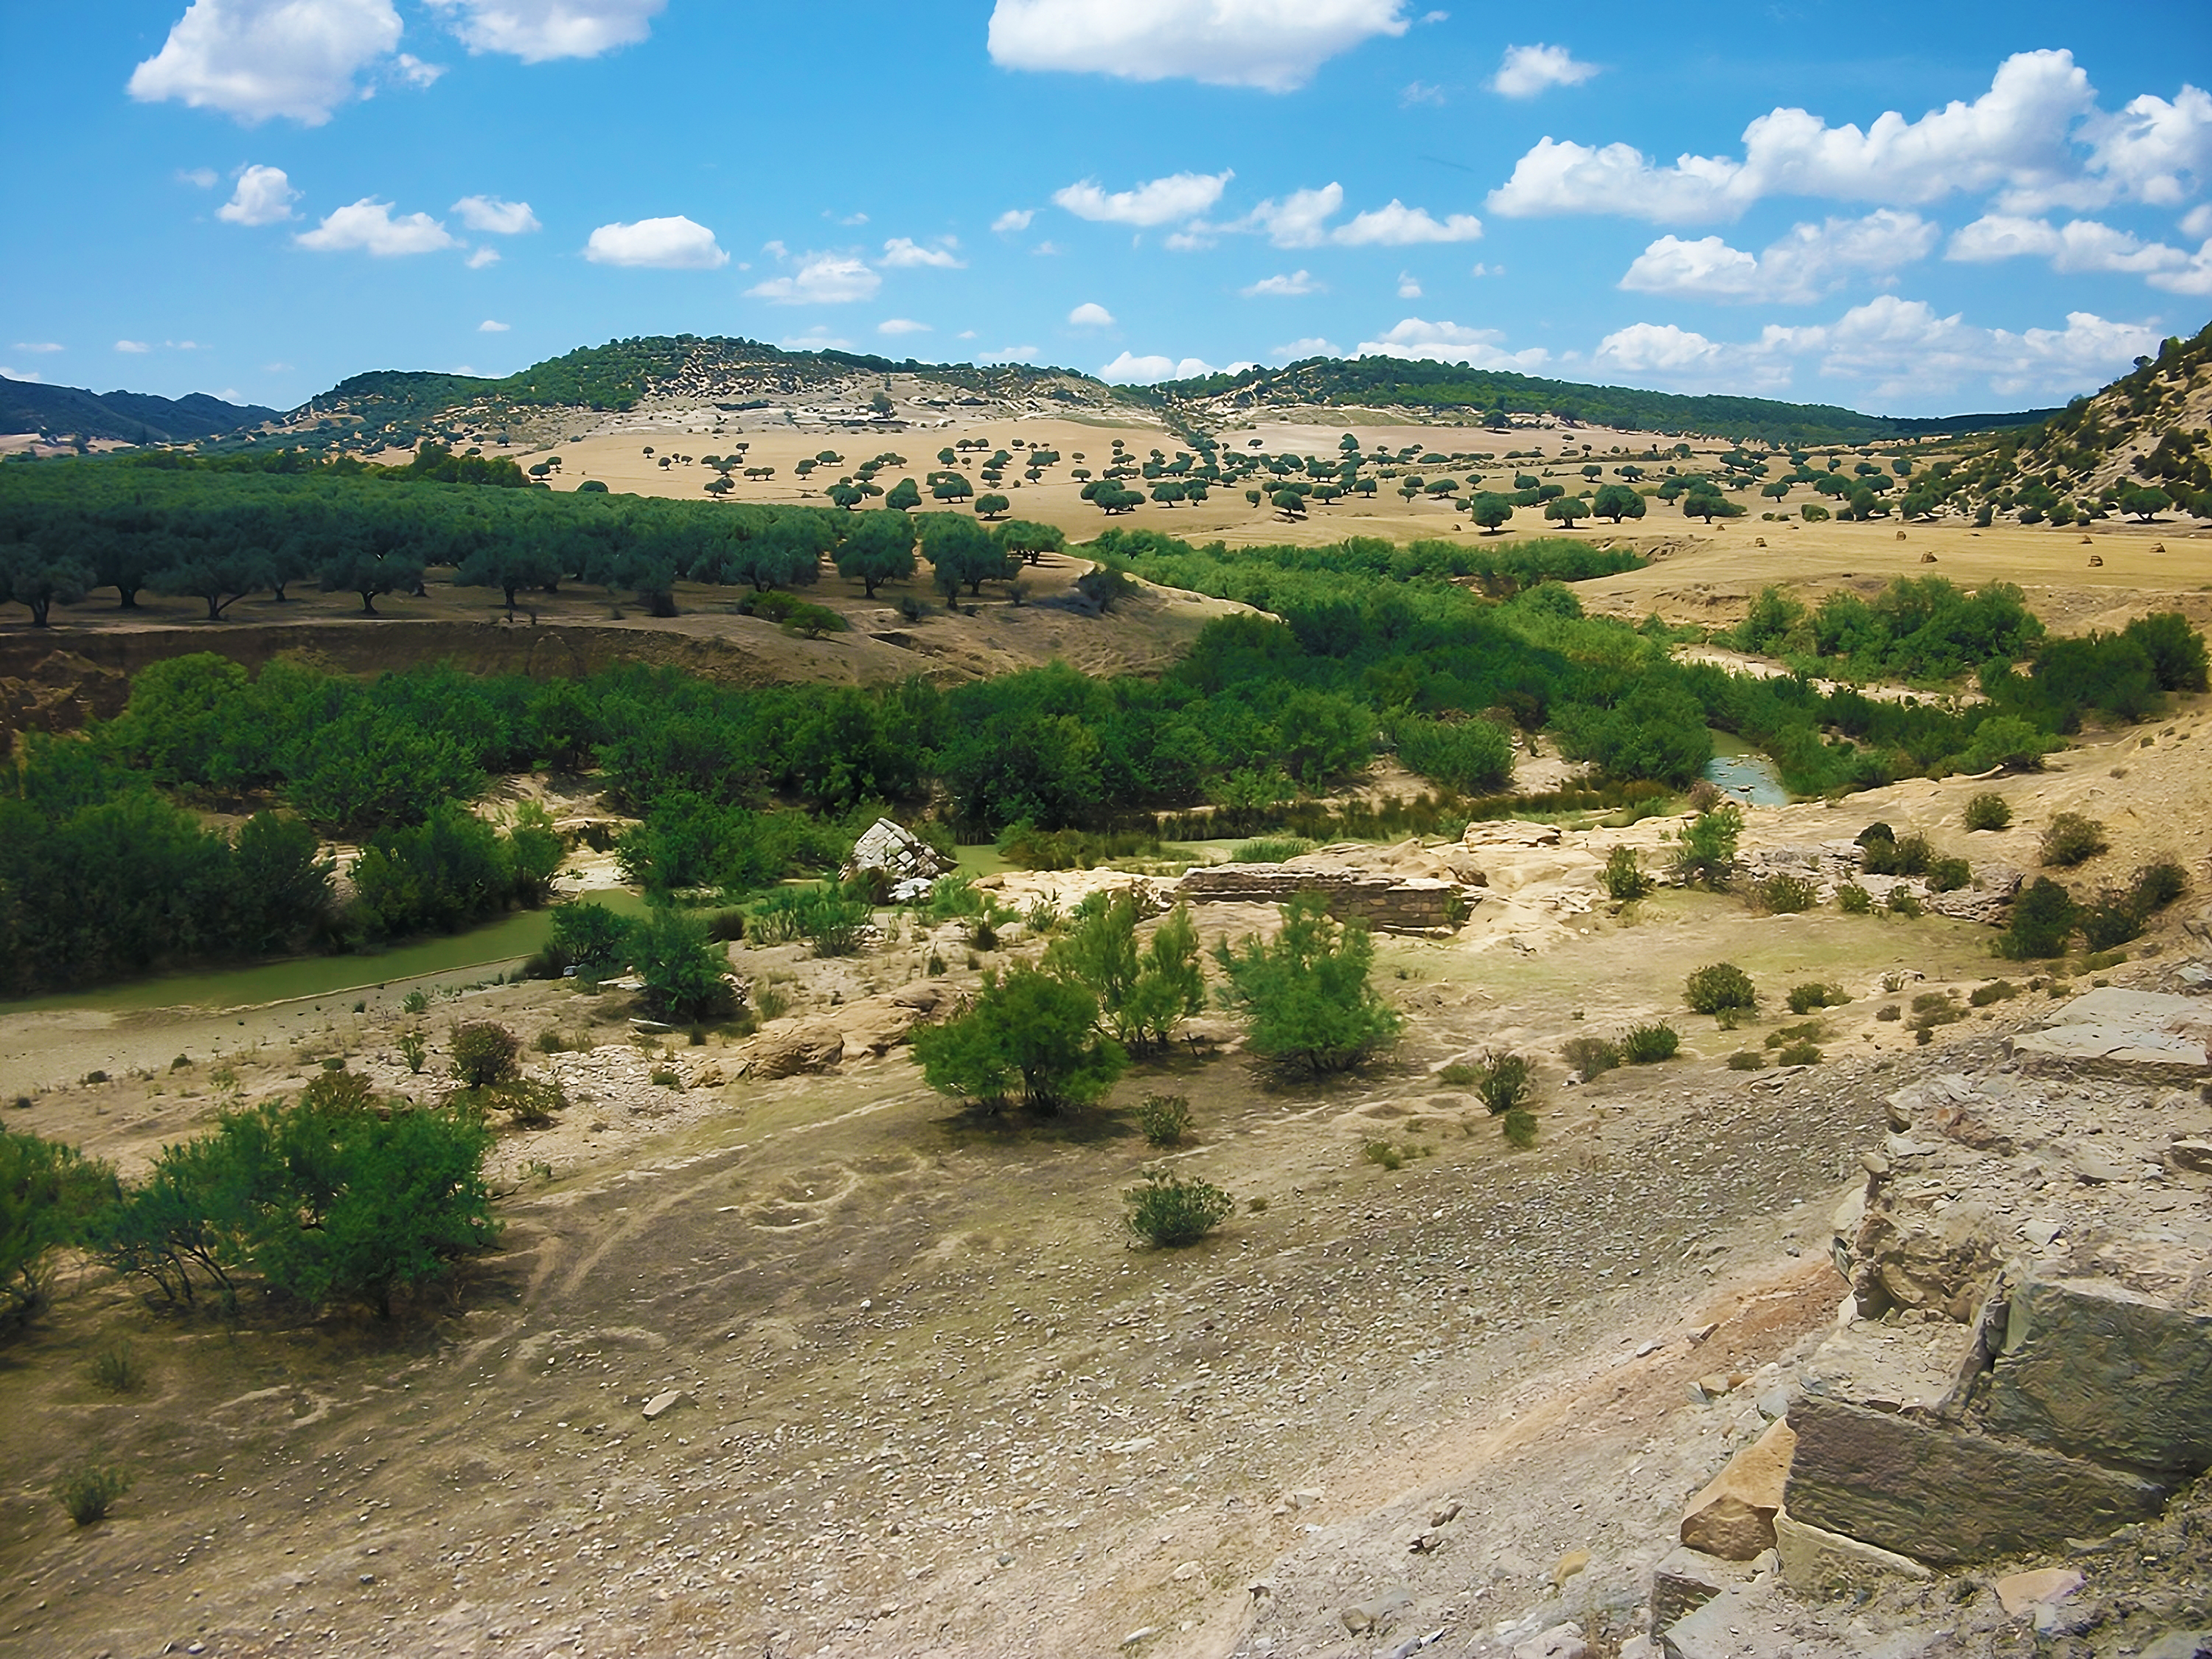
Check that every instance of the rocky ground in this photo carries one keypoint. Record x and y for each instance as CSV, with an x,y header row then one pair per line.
x,y
911,1391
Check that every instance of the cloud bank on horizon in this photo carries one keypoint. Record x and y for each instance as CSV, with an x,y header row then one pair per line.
x,y
1139,188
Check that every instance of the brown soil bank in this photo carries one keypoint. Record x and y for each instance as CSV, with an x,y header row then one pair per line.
x,y
56,679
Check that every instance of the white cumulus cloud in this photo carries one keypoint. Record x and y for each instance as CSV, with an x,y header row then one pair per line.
x,y
133,348
1013,219
2078,245
1409,286
823,279
1178,195
674,243
1529,70
490,326
1127,369
1297,350
369,226
537,31
1902,349
2014,138
263,196
199,178
1020,354
1281,287
1808,261
903,252
901,325
1302,220
1449,343
493,217
482,259
1091,314
1274,44
41,347
253,59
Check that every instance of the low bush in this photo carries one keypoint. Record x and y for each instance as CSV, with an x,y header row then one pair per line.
x,y
1382,1154
1270,850
1889,1013
1719,987
528,1103
89,1491
1704,848
1854,900
2071,839
1997,990
1504,1080
1173,1211
1804,999
1906,856
1592,1056
415,1049
1458,1075
1625,877
1520,1128
485,1054
1747,1059
117,1369
1165,1119
1989,810
1903,901
2043,915
834,922
1799,1053
1949,875
1647,1045
1786,895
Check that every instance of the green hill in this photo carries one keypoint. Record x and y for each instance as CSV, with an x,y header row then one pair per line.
x,y
1392,382
132,417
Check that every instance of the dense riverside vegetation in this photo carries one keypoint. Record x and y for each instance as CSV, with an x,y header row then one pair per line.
x,y
1448,654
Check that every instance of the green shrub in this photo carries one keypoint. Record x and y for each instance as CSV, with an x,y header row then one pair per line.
x,y
2112,919
834,922
1647,1045
1142,991
1718,988
1989,810
1804,999
1854,900
89,1491
1799,1053
1949,875
116,1368
1029,1029
1903,901
1173,1211
1787,894
1889,1013
1625,877
2071,839
1997,990
1458,1075
1383,1154
2158,884
2043,915
485,1054
1704,848
685,974
1165,1119
528,1103
415,1049
1590,1055
1906,856
1270,850
1520,1128
1504,1080
1307,994
1747,1059
49,1193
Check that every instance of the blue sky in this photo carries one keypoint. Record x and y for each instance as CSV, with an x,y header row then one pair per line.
x,y
1910,209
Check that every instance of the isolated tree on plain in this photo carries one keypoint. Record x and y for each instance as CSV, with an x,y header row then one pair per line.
x,y
991,507
1566,510
1491,510
1027,540
905,496
1616,503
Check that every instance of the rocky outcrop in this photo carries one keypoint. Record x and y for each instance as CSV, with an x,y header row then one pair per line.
x,y
1830,864
2122,1033
1395,904
896,855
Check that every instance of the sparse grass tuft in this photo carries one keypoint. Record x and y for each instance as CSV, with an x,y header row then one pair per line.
x,y
117,1369
89,1491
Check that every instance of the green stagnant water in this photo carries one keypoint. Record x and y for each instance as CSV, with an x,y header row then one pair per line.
x,y
489,947
1744,774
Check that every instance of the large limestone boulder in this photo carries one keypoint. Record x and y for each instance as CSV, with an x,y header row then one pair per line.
x,y
897,854
793,1048
1944,1494
2096,1368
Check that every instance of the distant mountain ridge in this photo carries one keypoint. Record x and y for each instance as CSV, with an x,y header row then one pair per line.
x,y
1435,387
130,417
